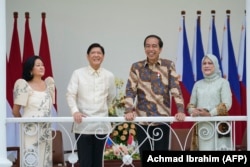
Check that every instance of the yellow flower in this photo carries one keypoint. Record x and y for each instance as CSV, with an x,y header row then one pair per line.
x,y
123,138
107,152
132,131
132,126
119,100
118,83
125,125
120,127
115,133
124,132
111,111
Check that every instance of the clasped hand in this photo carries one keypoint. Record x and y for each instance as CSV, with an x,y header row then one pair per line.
x,y
200,112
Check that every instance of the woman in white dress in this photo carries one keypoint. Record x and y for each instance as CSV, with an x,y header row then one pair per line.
x,y
211,96
35,97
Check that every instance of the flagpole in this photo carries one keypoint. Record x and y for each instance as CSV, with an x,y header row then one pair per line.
x,y
248,68
4,162
28,49
228,12
199,16
213,46
230,73
198,51
183,63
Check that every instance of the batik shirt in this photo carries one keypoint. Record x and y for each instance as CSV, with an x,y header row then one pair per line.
x,y
152,86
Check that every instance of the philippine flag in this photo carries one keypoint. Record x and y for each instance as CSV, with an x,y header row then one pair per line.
x,y
231,73
184,70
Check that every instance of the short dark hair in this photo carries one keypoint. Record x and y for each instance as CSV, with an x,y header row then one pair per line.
x,y
95,45
154,36
28,66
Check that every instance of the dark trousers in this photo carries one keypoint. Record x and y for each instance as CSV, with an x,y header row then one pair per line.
x,y
161,141
90,150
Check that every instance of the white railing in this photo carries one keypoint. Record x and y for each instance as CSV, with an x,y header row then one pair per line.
x,y
121,119
60,120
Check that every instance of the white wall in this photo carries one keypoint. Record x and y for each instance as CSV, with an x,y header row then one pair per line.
x,y
120,26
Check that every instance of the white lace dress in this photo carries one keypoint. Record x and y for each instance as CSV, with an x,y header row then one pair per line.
x,y
36,146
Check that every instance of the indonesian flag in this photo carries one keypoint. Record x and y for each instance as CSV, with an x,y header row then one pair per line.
x,y
9,89
185,72
45,54
12,138
231,74
28,49
13,72
130,141
15,63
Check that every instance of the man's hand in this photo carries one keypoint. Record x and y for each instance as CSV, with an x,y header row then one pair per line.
x,y
130,116
180,116
78,117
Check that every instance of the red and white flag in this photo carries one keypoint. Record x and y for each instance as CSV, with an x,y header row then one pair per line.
x,y
28,49
9,88
130,141
14,72
44,52
15,62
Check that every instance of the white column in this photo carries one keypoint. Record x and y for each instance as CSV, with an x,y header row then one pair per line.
x,y
4,162
248,68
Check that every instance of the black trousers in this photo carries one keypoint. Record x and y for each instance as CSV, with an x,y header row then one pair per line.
x,y
90,150
161,141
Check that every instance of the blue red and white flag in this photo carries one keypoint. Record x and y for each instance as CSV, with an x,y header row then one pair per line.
x,y
198,51
184,70
109,143
230,72
213,47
